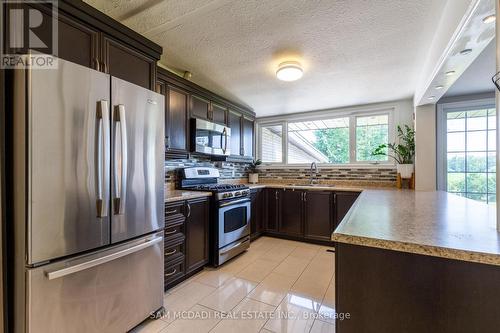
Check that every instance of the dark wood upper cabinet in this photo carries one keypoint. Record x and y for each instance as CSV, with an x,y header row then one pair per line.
x,y
89,38
343,201
197,221
200,107
78,43
218,114
128,64
176,119
234,123
248,137
318,215
291,221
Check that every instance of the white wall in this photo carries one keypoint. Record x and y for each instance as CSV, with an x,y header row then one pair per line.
x,y
425,147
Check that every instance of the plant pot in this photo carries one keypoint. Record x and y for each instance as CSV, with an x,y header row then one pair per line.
x,y
405,170
253,178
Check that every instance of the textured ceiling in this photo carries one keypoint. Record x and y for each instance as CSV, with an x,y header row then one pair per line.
x,y
477,78
353,51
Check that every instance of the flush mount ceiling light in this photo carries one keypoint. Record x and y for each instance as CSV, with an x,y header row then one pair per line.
x,y
289,71
431,97
489,19
450,73
466,51
439,87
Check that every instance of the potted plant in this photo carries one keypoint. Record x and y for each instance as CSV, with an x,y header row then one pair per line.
x,y
402,152
253,176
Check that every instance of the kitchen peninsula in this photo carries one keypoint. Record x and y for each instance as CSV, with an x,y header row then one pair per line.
x,y
417,262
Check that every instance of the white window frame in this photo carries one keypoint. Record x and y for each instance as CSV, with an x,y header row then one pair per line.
x,y
442,145
323,115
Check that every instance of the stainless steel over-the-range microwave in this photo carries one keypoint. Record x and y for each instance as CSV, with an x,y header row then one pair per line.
x,y
210,138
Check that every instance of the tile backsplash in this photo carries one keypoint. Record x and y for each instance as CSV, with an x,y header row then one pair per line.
x,y
236,172
229,171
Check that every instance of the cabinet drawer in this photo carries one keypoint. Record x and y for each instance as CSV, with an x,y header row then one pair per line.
x,y
174,212
174,270
174,232
174,250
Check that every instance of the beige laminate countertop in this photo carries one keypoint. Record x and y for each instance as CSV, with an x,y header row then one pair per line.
x,y
429,223
177,195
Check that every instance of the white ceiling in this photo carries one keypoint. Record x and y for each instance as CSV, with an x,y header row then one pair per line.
x,y
353,51
477,78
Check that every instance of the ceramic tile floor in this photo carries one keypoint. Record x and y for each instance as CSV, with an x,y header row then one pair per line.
x,y
276,286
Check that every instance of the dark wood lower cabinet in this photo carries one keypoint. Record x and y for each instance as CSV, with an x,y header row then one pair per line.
x,y
197,234
319,222
257,213
343,201
305,215
291,221
272,208
390,291
186,239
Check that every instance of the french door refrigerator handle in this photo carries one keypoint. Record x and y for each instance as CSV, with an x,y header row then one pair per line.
x,y
103,158
51,275
121,161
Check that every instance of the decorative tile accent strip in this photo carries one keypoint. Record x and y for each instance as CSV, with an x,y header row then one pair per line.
x,y
383,174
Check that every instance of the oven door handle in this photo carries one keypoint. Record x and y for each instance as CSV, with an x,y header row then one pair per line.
x,y
230,203
233,247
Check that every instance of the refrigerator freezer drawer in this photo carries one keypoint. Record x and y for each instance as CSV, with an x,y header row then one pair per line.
x,y
109,291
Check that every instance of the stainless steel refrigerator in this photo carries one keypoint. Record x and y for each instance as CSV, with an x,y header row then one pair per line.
x,y
88,201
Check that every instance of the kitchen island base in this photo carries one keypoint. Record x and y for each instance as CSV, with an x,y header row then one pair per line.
x,y
390,291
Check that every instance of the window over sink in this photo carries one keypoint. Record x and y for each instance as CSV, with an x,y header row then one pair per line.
x,y
336,139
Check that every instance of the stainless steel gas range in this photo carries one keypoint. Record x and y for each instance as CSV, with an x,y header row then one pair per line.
x,y
230,212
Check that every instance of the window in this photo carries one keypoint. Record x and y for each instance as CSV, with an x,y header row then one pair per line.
x,y
323,138
468,151
272,144
371,132
321,141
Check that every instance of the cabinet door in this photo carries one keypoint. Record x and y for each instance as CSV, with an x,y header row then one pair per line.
x,y
318,221
292,213
200,107
273,210
234,123
343,201
176,120
248,137
125,63
197,212
257,209
77,42
219,114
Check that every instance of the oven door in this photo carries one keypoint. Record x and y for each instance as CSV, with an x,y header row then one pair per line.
x,y
234,221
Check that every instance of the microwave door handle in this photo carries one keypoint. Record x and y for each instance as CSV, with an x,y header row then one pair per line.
x,y
225,139
221,137
103,158
121,160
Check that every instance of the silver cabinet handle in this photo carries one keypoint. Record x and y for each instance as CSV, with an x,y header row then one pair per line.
x,y
171,273
97,65
171,252
276,194
170,232
120,159
171,211
103,158
189,209
51,275
305,196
